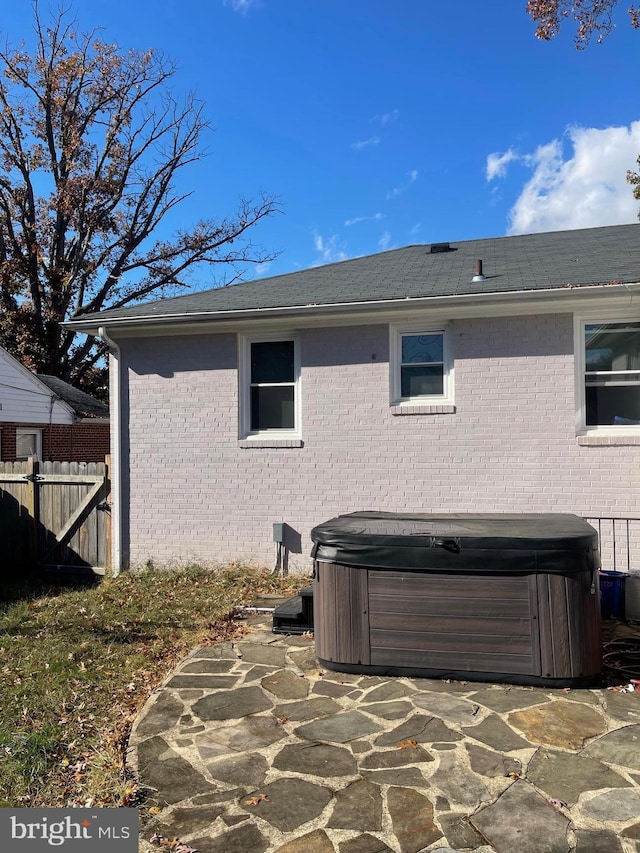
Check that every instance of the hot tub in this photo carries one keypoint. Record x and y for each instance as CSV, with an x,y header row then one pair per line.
x,y
504,598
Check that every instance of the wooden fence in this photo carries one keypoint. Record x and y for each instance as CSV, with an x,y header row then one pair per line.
x,y
55,514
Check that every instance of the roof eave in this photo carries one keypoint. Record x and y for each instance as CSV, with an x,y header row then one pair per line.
x,y
91,326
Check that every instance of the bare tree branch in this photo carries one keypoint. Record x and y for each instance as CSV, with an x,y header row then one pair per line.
x,y
93,147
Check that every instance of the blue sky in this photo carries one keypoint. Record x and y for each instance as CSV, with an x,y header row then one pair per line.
x,y
382,124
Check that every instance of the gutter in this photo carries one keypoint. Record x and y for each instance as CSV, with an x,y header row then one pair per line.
x,y
88,326
116,450
97,421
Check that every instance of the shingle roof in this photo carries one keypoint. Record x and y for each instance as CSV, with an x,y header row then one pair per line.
x,y
521,263
82,404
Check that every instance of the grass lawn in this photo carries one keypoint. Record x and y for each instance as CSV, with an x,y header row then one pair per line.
x,y
78,663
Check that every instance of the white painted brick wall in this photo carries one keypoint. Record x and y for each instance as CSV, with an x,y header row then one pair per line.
x,y
510,446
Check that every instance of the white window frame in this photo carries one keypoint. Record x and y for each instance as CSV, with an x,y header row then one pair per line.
x,y
580,321
244,390
38,434
396,334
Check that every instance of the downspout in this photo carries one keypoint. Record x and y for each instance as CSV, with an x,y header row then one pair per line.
x,y
116,446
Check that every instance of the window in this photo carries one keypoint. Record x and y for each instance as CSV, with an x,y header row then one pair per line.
x,y
28,443
420,366
269,371
611,381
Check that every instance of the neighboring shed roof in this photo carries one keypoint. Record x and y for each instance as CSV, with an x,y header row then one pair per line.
x,y
532,262
84,405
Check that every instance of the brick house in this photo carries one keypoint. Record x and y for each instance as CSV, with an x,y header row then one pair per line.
x,y
46,417
487,375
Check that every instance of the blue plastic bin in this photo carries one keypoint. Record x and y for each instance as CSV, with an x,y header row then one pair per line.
x,y
611,594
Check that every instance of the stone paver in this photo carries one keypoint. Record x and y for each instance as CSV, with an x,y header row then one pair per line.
x,y
189,820
364,844
307,709
565,776
406,777
561,723
313,842
496,733
420,728
246,838
339,728
622,706
251,733
208,666
252,747
412,819
231,704
510,698
449,708
162,715
621,806
489,763
620,747
459,831
597,841
287,803
389,710
202,682
316,759
284,684
358,807
521,820
248,768
392,758
388,691
169,775
458,783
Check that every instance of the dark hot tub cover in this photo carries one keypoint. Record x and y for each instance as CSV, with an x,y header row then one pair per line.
x,y
553,542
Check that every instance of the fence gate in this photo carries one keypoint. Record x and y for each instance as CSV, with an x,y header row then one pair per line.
x,y
55,514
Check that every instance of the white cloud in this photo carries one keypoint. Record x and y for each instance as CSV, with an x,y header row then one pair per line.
x,y
262,269
242,6
585,189
385,118
497,163
329,250
384,242
358,219
412,178
366,143
415,229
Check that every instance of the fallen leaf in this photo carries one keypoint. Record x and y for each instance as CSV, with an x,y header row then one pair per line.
x,y
559,804
253,801
155,810
408,744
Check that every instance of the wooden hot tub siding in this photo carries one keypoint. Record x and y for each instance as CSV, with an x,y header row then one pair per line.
x,y
532,626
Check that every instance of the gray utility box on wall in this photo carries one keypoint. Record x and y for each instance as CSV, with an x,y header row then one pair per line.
x,y
500,597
